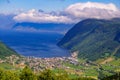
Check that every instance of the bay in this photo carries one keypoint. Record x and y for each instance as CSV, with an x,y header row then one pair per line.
x,y
34,44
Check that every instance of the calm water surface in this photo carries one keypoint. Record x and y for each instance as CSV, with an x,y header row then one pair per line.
x,y
34,44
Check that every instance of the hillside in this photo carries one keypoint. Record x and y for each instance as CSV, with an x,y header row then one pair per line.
x,y
94,38
6,51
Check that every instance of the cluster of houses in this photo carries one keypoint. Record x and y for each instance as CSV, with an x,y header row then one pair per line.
x,y
39,64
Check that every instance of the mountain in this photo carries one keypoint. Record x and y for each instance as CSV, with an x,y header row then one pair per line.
x,y
8,23
93,38
42,27
6,51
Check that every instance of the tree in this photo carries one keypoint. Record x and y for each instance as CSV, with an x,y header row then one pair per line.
x,y
112,77
62,75
8,75
1,73
47,75
27,74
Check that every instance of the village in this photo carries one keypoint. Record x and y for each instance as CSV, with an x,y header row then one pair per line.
x,y
39,64
71,64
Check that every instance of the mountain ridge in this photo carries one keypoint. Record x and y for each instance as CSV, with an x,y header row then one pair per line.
x,y
52,27
93,38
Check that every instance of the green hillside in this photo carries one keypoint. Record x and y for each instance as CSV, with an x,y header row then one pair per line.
x,y
94,38
6,51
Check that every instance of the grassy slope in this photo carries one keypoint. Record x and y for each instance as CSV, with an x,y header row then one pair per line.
x,y
102,70
93,38
6,51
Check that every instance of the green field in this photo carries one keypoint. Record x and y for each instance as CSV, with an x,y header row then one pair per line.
x,y
6,66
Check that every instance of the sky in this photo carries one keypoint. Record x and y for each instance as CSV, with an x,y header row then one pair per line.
x,y
46,5
60,11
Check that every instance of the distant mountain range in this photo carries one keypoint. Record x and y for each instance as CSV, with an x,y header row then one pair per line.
x,y
91,38
8,23
94,38
43,27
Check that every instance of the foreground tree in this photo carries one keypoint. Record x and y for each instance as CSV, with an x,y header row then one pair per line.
x,y
47,75
27,74
8,75
112,77
63,75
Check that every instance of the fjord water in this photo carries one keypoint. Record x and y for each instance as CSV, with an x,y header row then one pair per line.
x,y
34,44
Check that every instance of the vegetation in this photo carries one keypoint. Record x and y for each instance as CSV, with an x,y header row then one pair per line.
x,y
28,74
112,77
97,40
6,66
83,68
94,39
6,51
82,71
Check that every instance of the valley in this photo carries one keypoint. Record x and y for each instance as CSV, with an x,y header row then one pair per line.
x,y
73,66
60,40
96,65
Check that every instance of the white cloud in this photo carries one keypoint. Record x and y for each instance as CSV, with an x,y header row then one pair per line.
x,y
82,6
93,10
72,13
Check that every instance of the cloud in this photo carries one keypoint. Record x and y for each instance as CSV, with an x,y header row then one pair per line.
x,y
93,10
82,6
72,14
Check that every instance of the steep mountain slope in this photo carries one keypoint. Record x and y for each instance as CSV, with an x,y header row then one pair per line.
x,y
94,38
6,51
